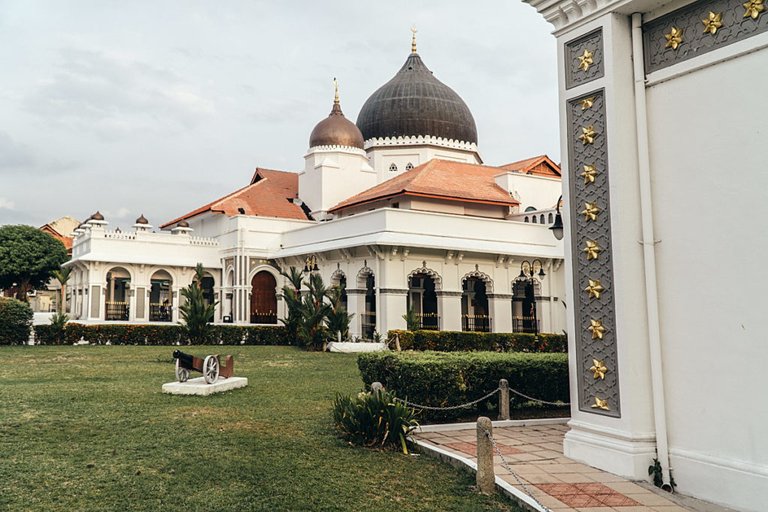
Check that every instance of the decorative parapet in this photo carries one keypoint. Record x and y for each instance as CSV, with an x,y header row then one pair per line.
x,y
420,140
203,242
562,13
329,148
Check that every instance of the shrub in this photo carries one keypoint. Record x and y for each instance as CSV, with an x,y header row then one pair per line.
x,y
374,420
148,334
15,321
441,379
452,341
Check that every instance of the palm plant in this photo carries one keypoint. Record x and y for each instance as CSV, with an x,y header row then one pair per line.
x,y
195,312
314,313
62,275
292,296
338,318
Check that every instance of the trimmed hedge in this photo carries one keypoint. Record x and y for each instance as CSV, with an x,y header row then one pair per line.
x,y
15,321
454,341
148,334
441,379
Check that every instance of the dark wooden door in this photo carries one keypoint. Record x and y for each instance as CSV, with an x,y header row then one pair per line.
x,y
263,299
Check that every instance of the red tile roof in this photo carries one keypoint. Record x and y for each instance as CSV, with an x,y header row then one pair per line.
x,y
539,165
268,195
67,241
441,179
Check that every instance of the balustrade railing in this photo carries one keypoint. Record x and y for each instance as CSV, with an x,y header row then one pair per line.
x,y
116,311
368,321
476,323
264,318
160,312
526,324
429,321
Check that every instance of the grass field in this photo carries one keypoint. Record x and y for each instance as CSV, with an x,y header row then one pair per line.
x,y
87,428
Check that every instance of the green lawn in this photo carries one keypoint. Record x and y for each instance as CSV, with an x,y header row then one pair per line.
x,y
87,428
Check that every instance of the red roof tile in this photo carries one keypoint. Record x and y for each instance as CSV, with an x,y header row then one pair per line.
x,y
539,165
442,179
268,195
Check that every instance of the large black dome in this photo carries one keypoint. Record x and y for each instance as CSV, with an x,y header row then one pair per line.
x,y
416,103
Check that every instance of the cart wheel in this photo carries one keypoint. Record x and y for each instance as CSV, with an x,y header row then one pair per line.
x,y
182,374
211,369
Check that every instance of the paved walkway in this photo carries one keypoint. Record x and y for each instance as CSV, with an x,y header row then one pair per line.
x,y
535,454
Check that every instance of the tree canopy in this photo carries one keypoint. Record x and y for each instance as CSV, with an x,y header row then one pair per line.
x,y
27,258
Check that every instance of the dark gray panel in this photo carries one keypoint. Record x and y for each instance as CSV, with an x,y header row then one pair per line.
x,y
576,75
586,308
735,27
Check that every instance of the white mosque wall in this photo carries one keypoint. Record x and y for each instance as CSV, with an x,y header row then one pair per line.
x,y
705,129
538,192
391,158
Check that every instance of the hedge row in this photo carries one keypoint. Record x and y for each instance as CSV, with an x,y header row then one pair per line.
x,y
441,379
460,341
15,321
142,334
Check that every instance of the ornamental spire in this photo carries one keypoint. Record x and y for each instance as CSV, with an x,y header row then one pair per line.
x,y
336,91
413,39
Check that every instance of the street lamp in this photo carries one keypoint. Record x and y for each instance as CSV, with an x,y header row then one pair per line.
x,y
528,272
557,226
310,264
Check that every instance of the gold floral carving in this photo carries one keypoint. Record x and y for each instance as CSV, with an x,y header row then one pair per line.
x,y
598,369
585,60
713,22
601,404
594,289
596,328
754,8
587,103
592,250
674,38
588,135
589,174
590,211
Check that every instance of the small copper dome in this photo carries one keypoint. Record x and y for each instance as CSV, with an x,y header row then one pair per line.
x,y
182,224
96,216
142,220
336,130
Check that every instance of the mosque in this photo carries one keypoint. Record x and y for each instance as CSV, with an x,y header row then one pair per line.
x,y
397,208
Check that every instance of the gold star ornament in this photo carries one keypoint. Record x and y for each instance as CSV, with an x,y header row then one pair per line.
x,y
713,22
598,369
596,328
585,60
754,8
674,38
601,404
587,103
592,250
588,135
590,211
594,289
589,174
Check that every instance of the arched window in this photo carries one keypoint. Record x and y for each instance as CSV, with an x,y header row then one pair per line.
x,y
422,299
534,219
541,219
550,218
526,219
530,209
408,166
393,167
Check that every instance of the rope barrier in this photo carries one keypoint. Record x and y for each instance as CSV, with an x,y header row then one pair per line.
x,y
448,408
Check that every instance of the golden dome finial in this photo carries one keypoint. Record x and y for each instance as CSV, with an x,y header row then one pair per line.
x,y
413,39
336,91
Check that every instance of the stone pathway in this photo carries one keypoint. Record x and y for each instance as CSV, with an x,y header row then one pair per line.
x,y
535,454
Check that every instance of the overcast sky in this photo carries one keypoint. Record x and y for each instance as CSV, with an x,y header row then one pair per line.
x,y
158,107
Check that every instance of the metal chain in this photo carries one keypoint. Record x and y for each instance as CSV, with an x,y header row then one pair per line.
x,y
449,408
506,466
537,400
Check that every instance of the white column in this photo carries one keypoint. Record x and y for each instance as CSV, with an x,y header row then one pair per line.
x,y
500,305
356,307
391,308
449,309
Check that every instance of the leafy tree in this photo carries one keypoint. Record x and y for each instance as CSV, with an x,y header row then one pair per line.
x,y
292,297
195,312
27,258
314,313
62,276
15,321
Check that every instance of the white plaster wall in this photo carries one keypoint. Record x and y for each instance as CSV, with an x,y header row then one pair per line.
x,y
381,158
332,175
707,135
536,191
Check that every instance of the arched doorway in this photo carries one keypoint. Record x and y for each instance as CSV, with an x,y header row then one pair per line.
x,y
340,280
207,284
161,297
524,307
116,302
422,299
474,306
263,298
367,281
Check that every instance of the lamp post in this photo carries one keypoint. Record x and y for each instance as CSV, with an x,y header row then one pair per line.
x,y
528,271
557,226
310,264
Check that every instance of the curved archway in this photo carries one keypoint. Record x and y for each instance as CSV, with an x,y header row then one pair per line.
x,y
161,296
524,307
116,300
339,279
475,310
367,281
422,297
263,298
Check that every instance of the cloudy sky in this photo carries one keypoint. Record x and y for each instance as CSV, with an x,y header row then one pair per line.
x,y
158,106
